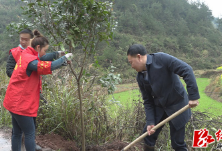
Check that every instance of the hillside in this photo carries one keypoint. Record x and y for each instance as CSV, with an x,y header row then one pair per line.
x,y
172,26
10,11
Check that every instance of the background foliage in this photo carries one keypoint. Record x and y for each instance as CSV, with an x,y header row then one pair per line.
x,y
187,31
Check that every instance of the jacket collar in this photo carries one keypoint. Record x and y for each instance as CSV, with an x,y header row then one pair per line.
x,y
21,46
32,51
149,59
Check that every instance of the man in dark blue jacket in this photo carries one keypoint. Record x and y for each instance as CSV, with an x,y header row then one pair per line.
x,y
163,93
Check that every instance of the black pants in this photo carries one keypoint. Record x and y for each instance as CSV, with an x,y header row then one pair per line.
x,y
23,124
34,118
177,137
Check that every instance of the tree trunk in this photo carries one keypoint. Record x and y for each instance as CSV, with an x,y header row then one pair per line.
x,y
81,116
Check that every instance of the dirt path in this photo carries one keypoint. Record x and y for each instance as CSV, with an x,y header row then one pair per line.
x,y
49,142
5,140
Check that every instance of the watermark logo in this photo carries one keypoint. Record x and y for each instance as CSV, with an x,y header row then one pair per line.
x,y
202,139
218,135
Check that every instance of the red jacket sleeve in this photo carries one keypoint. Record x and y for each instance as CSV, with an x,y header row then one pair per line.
x,y
44,67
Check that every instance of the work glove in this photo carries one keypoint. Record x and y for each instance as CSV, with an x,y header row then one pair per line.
x,y
61,53
69,56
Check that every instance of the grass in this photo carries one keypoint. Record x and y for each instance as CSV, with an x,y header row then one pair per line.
x,y
123,99
206,103
5,117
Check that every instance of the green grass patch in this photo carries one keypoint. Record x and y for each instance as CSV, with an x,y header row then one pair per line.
x,y
127,97
206,103
122,100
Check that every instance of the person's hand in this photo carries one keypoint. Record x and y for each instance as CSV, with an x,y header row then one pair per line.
x,y
193,103
61,53
69,56
149,131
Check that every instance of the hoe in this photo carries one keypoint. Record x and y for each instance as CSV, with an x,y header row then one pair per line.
x,y
156,127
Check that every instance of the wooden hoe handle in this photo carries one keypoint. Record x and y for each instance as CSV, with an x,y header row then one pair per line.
x,y
156,127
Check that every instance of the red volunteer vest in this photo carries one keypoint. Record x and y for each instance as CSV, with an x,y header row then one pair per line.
x,y
22,95
16,52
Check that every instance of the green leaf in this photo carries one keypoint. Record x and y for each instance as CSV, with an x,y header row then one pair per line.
x,y
31,4
62,47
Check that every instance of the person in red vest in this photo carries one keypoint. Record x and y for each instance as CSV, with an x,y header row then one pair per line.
x,y
22,95
24,37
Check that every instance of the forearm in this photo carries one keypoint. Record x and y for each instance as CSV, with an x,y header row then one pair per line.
x,y
149,110
148,102
50,56
58,63
33,66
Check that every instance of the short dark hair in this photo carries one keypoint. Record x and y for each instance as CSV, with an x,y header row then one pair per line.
x,y
27,31
136,49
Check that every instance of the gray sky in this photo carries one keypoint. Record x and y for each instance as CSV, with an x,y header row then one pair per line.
x,y
214,5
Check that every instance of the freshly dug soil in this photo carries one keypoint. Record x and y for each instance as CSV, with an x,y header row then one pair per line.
x,y
56,142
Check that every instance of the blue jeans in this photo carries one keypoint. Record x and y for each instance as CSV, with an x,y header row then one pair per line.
x,y
23,124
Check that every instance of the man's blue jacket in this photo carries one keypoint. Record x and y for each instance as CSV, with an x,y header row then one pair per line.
x,y
168,94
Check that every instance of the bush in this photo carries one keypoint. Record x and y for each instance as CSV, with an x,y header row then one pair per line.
x,y
5,117
61,113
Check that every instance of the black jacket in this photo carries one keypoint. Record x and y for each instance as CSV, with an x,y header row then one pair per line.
x,y
170,94
10,65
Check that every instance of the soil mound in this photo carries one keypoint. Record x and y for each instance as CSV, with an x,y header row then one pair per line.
x,y
57,142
